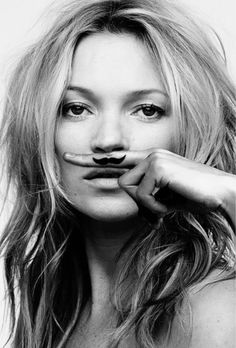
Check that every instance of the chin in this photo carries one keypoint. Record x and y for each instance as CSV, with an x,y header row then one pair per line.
x,y
108,209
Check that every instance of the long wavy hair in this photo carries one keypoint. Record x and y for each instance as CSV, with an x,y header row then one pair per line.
x,y
39,244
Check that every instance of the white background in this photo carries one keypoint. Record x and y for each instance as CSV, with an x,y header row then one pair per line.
x,y
19,24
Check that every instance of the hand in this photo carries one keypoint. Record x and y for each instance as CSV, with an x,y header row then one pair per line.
x,y
162,181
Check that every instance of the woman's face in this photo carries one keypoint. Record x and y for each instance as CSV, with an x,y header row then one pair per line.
x,y
110,105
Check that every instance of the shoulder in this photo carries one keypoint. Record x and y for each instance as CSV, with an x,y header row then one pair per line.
x,y
207,316
213,315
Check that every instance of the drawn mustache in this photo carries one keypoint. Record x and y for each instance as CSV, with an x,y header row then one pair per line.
x,y
106,160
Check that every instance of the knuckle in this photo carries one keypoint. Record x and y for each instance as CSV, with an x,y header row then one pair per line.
x,y
158,154
156,159
155,156
157,167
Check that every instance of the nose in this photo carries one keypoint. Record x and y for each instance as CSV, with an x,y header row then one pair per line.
x,y
110,135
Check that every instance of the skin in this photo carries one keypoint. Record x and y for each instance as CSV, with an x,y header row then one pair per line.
x,y
112,122
111,68
102,117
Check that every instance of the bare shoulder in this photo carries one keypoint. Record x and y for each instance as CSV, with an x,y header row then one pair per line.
x,y
213,313
207,316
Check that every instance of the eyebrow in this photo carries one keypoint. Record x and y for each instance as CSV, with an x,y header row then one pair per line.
x,y
131,94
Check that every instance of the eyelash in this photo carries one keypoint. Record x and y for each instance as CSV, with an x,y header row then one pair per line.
x,y
159,112
66,107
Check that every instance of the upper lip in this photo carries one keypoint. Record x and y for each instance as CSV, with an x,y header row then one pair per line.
x,y
105,173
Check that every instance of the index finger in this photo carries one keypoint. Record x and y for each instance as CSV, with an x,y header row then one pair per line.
x,y
113,159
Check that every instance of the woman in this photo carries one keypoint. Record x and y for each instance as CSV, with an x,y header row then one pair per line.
x,y
119,131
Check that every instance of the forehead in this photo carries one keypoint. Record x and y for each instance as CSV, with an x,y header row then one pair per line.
x,y
114,61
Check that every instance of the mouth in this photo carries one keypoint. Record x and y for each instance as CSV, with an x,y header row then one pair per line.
x,y
104,178
107,173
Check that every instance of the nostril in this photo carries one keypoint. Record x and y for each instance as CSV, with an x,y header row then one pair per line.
x,y
118,149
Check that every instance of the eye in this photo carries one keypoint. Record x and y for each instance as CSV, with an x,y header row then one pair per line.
x,y
149,111
75,110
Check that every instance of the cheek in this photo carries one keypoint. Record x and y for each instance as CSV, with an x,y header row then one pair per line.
x,y
70,139
158,135
67,139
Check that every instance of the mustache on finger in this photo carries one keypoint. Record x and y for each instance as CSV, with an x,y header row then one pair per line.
x,y
109,160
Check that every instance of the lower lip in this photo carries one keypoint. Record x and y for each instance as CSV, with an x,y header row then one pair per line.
x,y
104,183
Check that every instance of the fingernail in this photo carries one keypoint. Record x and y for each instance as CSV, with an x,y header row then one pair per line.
x,y
69,155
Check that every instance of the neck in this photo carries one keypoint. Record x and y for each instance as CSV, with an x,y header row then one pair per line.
x,y
104,241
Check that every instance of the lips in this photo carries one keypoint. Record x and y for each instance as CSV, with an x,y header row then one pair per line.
x,y
99,173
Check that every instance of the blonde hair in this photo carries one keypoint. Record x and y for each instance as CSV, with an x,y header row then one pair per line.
x,y
38,245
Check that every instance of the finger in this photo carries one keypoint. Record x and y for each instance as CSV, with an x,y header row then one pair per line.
x,y
83,160
134,175
128,158
145,195
131,190
153,216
